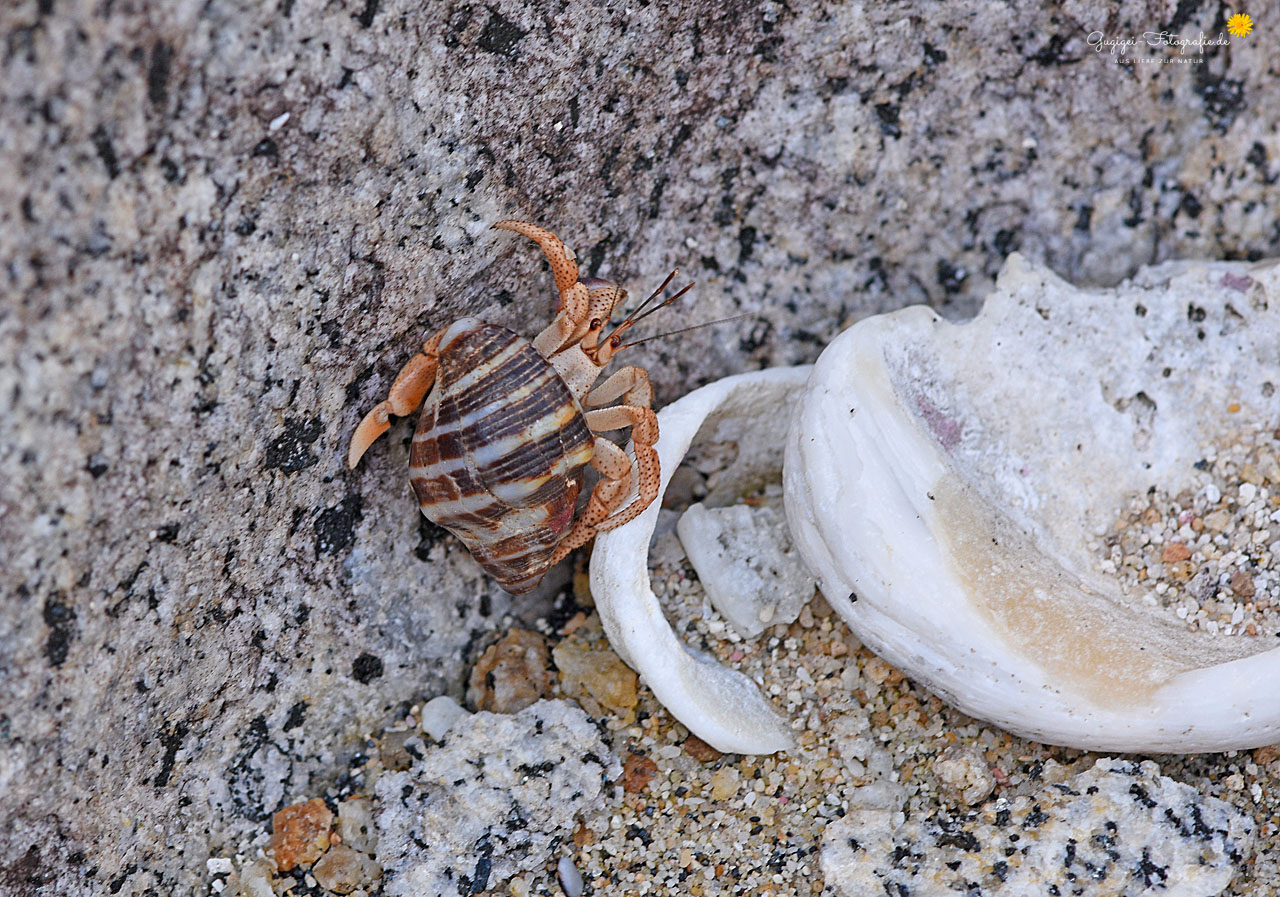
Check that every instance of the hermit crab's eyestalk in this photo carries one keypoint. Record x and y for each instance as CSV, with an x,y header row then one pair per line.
x,y
604,350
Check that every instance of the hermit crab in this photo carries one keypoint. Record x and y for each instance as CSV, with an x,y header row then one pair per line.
x,y
501,449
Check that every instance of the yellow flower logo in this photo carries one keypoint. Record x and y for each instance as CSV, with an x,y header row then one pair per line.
x,y
1240,25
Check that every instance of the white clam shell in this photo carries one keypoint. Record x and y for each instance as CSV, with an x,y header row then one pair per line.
x,y
951,477
721,706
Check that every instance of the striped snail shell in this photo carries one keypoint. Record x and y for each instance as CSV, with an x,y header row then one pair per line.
x,y
499,454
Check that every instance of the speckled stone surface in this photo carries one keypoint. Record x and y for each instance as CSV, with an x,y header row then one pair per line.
x,y
224,226
1119,829
494,799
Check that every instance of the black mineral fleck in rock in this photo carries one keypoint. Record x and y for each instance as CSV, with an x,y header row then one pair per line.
x,y
366,668
290,451
61,620
336,526
501,35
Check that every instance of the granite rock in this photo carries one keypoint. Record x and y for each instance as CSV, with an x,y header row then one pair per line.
x,y
224,228
491,802
1120,828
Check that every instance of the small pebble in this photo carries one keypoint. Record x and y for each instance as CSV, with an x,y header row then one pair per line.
x,y
255,879
1242,584
724,783
595,672
964,775
699,750
569,876
439,714
511,674
218,865
300,834
343,869
637,772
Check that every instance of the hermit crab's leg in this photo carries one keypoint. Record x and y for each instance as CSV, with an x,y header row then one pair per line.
x,y
615,479
630,382
574,295
644,433
407,392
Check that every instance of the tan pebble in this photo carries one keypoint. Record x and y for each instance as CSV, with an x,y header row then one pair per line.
x,y
511,674
1182,570
882,673
1242,584
820,606
964,775
1218,521
599,673
256,879
724,783
1197,524
391,750
1268,754
573,624
1174,552
300,834
699,750
1251,629
904,705
806,617
583,837
343,869
1151,516
582,587
637,772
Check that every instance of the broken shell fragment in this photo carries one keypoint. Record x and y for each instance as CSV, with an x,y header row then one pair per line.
x,y
743,555
943,482
721,706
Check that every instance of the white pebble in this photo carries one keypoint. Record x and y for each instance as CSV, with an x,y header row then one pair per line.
x,y
218,865
569,876
1248,492
1212,494
439,714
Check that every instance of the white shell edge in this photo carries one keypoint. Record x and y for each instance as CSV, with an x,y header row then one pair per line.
x,y
721,706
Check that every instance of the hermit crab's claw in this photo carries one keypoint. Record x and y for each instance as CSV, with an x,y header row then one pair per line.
x,y
564,262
